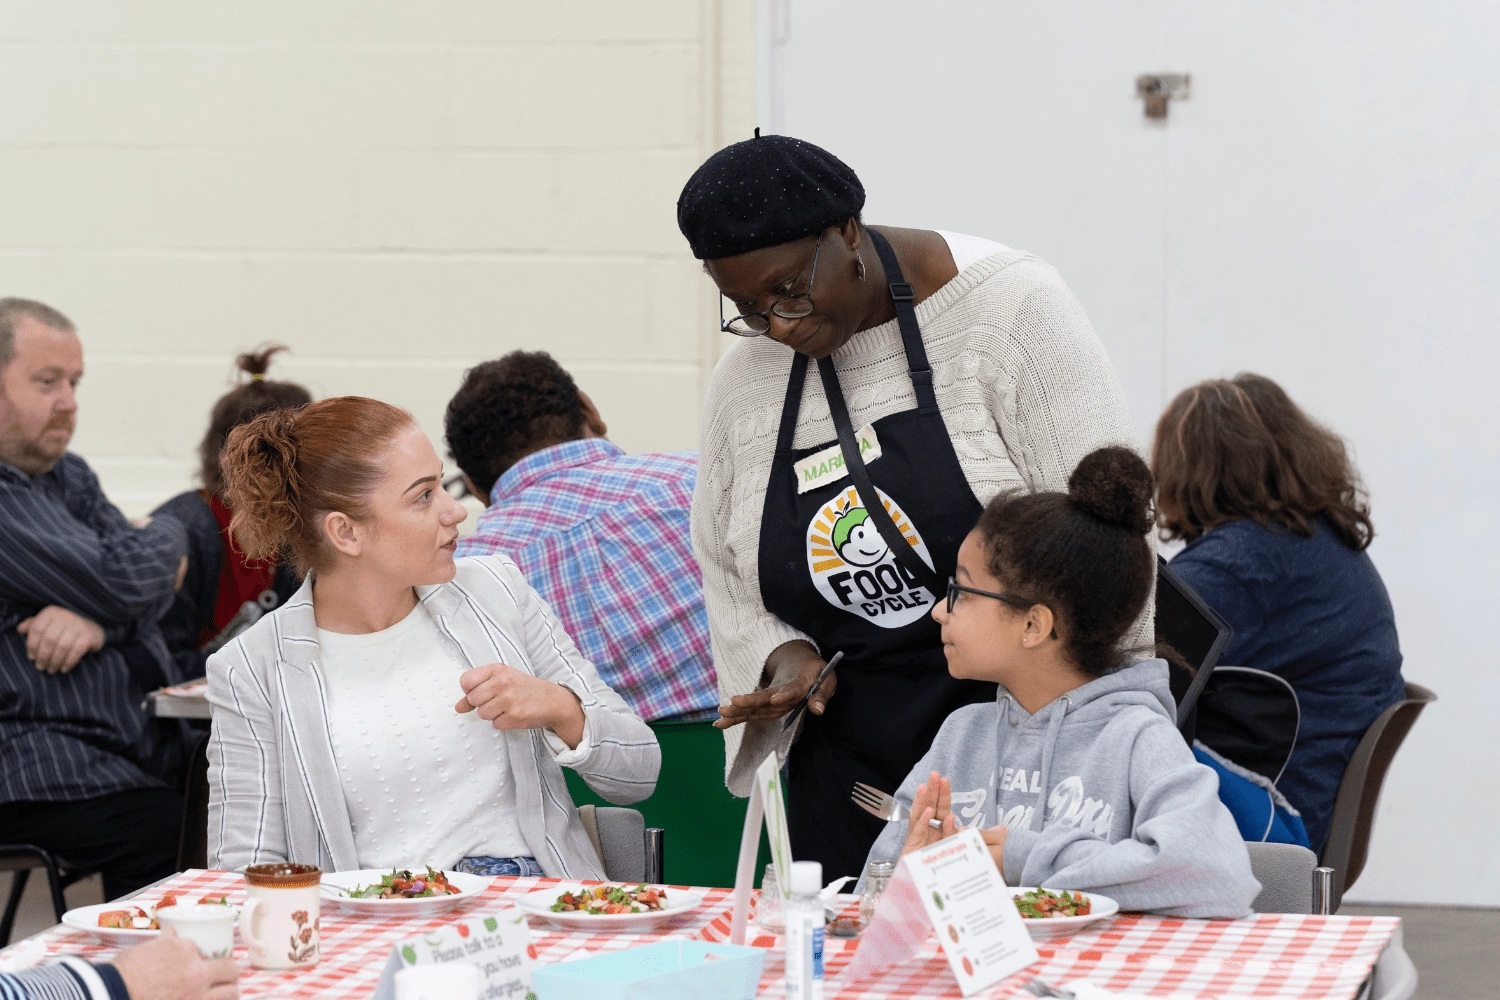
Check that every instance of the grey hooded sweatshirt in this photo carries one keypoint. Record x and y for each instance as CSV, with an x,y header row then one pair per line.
x,y
1129,812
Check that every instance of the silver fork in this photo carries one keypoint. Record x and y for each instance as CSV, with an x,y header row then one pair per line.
x,y
872,800
1040,988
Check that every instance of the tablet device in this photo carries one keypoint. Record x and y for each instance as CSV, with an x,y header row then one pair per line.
x,y
1192,628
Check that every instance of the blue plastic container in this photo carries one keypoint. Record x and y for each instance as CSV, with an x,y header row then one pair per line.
x,y
668,970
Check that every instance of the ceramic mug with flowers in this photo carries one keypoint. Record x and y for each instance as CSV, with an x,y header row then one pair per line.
x,y
280,922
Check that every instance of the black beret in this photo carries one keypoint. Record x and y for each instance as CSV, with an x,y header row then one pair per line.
x,y
764,191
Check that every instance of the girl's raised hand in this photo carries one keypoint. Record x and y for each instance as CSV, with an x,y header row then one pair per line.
x,y
933,801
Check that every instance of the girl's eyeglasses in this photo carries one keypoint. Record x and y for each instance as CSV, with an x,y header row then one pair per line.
x,y
954,590
1016,602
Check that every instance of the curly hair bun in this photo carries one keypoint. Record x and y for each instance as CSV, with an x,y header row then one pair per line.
x,y
259,361
260,482
1114,486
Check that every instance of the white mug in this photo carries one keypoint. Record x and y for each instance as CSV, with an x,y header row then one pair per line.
x,y
458,981
280,921
210,926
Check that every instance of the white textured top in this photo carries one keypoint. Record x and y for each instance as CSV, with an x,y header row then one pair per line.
x,y
966,250
1025,388
422,783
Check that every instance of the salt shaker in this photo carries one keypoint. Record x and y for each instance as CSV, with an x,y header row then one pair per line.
x,y
877,874
768,910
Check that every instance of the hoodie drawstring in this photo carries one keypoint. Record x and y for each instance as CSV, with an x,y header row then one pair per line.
x,y
1054,727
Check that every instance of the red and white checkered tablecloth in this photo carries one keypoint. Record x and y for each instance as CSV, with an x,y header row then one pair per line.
x,y
1268,955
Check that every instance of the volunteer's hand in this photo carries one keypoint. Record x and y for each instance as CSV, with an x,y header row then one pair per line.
x,y
792,668
170,968
994,839
56,638
508,698
934,800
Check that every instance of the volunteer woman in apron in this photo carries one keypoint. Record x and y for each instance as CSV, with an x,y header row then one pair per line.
x,y
885,383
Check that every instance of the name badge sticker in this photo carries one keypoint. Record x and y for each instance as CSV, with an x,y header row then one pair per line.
x,y
827,466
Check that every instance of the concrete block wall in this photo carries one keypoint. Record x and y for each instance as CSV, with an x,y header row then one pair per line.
x,y
395,190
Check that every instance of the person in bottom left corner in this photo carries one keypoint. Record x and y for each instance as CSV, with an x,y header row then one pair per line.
x,y
169,968
404,707
87,774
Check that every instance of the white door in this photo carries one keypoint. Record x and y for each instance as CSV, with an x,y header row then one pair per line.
x,y
1323,209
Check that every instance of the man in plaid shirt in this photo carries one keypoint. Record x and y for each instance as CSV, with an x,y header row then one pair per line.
x,y
602,536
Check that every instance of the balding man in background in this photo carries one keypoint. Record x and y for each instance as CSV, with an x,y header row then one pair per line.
x,y
87,775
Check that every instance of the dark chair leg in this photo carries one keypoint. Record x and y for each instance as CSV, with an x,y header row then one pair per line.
x,y
13,904
55,882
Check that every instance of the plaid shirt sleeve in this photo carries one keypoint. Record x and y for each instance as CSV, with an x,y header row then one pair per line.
x,y
608,545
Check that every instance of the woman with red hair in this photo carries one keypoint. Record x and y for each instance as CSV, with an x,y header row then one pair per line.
x,y
403,708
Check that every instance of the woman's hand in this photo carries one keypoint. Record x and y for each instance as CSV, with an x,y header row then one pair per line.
x,y
792,668
994,839
933,801
508,698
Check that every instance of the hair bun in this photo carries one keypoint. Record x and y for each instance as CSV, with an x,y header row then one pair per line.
x,y
1114,486
255,363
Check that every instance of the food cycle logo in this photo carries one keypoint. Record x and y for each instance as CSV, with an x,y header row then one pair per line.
x,y
855,570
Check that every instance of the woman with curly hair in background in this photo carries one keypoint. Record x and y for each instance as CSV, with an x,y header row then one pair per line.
x,y
1277,523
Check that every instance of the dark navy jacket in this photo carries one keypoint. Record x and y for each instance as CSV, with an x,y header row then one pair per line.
x,y
1316,613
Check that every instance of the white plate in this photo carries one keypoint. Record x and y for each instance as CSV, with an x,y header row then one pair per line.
x,y
1102,908
469,886
539,904
86,919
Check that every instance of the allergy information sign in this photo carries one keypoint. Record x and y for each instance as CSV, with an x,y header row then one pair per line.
x,y
983,935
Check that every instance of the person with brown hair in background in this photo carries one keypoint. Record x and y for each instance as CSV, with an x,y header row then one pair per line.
x,y
1277,523
221,579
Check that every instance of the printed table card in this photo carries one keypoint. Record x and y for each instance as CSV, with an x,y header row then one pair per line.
x,y
499,944
766,805
768,782
981,931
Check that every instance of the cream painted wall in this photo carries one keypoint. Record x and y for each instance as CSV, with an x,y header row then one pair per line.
x,y
395,190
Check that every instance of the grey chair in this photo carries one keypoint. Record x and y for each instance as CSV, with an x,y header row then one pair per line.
x,y
1285,874
1348,844
630,851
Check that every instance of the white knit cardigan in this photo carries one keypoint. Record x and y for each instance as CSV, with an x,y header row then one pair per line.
x,y
1025,387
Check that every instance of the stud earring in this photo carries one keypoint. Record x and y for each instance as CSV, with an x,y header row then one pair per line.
x,y
859,266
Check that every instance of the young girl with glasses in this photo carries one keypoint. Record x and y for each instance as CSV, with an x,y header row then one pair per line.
x,y
1082,730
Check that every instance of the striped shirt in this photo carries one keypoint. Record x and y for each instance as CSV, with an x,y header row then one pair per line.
x,y
604,538
69,978
82,734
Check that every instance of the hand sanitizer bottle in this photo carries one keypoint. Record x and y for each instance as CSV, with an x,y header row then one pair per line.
x,y
804,933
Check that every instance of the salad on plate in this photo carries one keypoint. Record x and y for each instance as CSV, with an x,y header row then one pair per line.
x,y
1041,904
402,884
612,899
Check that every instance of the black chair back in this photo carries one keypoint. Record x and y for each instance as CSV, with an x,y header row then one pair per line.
x,y
192,842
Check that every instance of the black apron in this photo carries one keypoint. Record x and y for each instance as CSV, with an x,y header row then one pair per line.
x,y
827,571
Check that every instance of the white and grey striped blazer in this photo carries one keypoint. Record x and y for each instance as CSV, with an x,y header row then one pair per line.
x,y
275,793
